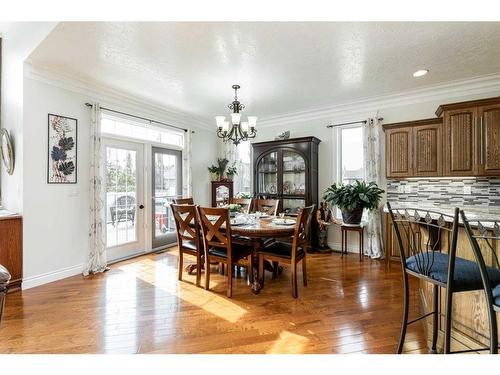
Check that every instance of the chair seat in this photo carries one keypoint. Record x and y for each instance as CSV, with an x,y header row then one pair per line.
x,y
190,245
282,250
496,295
467,275
4,278
239,251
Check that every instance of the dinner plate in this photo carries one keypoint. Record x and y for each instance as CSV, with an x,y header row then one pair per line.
x,y
236,223
284,222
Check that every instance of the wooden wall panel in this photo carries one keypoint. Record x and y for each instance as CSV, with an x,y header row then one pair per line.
x,y
11,249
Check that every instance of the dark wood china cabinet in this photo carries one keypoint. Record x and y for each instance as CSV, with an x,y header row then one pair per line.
x,y
287,170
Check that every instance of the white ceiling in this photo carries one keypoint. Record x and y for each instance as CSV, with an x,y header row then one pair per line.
x,y
282,67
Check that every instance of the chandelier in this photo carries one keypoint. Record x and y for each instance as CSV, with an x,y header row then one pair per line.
x,y
238,131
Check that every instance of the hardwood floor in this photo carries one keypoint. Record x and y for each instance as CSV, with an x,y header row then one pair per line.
x,y
139,306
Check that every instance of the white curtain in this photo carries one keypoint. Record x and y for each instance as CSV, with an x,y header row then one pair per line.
x,y
242,163
372,165
96,258
187,187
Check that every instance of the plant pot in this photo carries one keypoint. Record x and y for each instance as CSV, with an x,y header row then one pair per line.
x,y
352,217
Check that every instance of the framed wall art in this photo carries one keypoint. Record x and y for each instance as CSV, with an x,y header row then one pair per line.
x,y
62,150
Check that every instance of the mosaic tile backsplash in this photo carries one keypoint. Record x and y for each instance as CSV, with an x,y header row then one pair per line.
x,y
479,192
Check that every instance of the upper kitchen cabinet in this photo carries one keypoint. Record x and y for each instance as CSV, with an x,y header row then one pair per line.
x,y
413,148
471,138
489,138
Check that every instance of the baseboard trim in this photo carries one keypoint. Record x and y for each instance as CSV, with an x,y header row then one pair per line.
x,y
45,278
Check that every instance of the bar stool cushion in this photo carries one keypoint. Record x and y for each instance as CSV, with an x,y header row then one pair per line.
x,y
467,275
191,245
496,295
239,251
4,278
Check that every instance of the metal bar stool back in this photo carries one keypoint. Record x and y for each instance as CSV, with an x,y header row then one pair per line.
x,y
419,233
484,237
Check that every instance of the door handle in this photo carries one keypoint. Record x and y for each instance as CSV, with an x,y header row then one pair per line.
x,y
141,206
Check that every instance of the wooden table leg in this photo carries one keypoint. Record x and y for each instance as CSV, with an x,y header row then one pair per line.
x,y
361,246
256,287
342,244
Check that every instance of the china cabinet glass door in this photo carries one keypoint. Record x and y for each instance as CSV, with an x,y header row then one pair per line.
x,y
294,181
268,174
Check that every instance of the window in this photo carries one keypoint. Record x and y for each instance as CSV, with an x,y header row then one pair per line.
x,y
141,130
350,154
242,181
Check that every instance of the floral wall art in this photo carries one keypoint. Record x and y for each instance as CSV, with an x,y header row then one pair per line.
x,y
62,163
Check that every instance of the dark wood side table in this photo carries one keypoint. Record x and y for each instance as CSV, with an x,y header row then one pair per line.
x,y
345,228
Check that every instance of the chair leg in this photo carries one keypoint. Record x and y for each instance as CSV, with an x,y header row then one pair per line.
x,y
230,268
435,317
404,323
181,261
304,271
198,270
250,268
294,280
261,270
447,320
275,269
207,273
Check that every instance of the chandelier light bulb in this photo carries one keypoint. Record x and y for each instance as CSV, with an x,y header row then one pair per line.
x,y
235,118
220,121
252,121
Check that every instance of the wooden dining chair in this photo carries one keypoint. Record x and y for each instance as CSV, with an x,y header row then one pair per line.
x,y
292,254
246,204
269,206
183,200
188,236
219,246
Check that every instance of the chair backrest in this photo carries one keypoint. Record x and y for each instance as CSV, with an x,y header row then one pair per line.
x,y
124,201
419,232
183,200
216,228
301,235
269,206
484,237
186,224
245,204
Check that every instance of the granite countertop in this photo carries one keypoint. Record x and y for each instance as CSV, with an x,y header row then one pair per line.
x,y
471,212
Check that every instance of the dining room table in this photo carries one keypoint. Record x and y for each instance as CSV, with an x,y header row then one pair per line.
x,y
254,230
258,229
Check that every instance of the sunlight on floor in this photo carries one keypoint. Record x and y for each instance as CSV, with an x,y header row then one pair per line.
x,y
288,343
148,270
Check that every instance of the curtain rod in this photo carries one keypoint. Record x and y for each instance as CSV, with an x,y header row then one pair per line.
x,y
138,117
351,123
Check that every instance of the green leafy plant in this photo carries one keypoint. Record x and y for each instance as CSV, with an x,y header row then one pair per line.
x,y
232,171
214,171
358,195
234,208
244,195
222,164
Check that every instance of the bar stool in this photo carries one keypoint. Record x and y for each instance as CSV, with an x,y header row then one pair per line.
x,y
484,237
4,283
423,258
345,229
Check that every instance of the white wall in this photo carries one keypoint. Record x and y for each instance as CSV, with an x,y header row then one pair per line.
x,y
56,216
19,39
327,149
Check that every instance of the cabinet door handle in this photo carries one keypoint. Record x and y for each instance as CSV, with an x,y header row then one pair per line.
x,y
482,140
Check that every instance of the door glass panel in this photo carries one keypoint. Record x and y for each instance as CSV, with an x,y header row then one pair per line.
x,y
268,174
121,192
294,174
167,185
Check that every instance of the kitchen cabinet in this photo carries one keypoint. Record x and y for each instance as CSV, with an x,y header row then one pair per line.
x,y
489,139
11,248
413,148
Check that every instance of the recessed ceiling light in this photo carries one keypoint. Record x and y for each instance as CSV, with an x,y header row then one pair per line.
x,y
420,73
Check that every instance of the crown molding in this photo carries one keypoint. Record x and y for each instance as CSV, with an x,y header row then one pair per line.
x,y
446,91
116,98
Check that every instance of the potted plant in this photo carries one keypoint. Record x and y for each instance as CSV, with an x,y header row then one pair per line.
x,y
231,172
214,172
233,209
221,168
353,198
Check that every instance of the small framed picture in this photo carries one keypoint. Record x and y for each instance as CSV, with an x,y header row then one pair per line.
x,y
62,150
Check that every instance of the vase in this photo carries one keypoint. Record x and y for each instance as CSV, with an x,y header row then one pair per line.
x,y
352,217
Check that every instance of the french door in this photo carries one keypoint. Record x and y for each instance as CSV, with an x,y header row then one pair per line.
x,y
124,189
166,186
